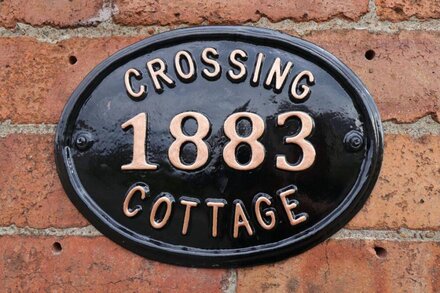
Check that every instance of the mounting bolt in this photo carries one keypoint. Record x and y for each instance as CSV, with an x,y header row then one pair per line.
x,y
83,141
353,141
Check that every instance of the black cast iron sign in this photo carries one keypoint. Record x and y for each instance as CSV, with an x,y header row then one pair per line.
x,y
219,146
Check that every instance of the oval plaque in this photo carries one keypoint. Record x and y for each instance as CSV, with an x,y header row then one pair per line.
x,y
219,146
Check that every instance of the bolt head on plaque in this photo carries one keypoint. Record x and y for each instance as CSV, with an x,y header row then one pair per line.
x,y
219,146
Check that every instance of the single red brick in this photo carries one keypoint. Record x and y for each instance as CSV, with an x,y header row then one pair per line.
x,y
30,264
396,10
350,266
60,13
403,73
30,191
408,189
140,12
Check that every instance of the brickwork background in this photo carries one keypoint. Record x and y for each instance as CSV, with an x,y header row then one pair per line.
x,y
47,48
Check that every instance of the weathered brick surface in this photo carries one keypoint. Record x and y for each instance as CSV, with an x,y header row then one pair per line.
x,y
164,12
29,264
402,76
350,266
406,195
30,191
396,10
38,77
60,13
408,189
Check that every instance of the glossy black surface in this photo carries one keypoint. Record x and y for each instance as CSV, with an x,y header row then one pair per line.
x,y
91,147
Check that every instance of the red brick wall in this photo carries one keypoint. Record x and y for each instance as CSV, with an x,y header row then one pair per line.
x,y
46,49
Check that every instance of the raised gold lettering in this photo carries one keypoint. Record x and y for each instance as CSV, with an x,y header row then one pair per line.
x,y
268,213
128,86
305,88
309,153
139,161
241,75
166,199
258,151
241,219
131,213
188,203
289,206
275,73
215,205
158,69
203,127
208,61
256,75
191,74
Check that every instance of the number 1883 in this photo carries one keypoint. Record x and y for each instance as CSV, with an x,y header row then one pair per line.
x,y
139,124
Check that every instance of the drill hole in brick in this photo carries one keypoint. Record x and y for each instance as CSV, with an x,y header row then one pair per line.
x,y
57,248
72,59
380,252
369,54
